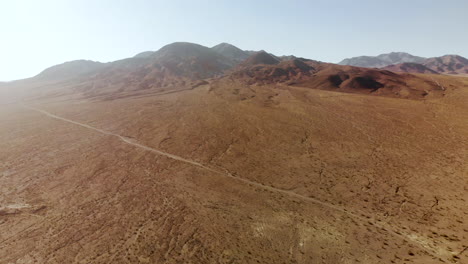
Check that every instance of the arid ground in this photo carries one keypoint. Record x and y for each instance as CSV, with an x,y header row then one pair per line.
x,y
235,173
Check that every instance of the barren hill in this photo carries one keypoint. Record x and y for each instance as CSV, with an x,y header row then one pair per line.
x,y
254,71
450,64
144,54
182,65
332,77
261,57
192,60
410,68
70,70
231,51
381,60
404,62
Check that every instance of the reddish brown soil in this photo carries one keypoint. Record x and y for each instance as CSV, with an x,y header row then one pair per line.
x,y
244,174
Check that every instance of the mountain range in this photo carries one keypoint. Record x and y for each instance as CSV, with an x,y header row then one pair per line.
x,y
404,62
381,60
184,65
181,63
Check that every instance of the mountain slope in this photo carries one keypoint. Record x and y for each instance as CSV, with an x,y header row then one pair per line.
x,y
410,67
191,60
144,54
230,51
260,57
69,70
182,65
381,60
339,78
178,65
449,64
270,73
180,59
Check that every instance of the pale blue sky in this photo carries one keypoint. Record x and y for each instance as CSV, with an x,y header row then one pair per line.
x,y
36,34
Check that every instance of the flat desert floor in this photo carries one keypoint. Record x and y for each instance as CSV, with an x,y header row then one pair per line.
x,y
235,174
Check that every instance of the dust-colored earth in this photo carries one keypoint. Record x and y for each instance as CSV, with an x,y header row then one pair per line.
x,y
236,173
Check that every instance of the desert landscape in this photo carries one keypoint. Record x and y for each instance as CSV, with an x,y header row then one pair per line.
x,y
193,154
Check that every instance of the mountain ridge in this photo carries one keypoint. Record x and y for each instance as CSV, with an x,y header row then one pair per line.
x,y
381,60
231,51
450,64
410,67
69,69
405,62
184,65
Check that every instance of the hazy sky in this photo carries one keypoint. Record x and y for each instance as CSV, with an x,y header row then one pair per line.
x,y
37,34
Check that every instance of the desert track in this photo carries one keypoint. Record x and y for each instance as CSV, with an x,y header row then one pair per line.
x,y
225,173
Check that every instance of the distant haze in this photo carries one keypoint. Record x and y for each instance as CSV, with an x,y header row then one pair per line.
x,y
38,34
